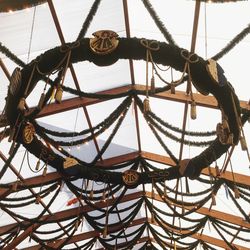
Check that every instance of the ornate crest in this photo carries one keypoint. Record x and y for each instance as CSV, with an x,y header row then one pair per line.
x,y
104,42
28,133
130,177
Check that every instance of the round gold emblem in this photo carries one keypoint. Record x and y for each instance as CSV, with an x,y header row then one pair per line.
x,y
130,177
28,133
104,42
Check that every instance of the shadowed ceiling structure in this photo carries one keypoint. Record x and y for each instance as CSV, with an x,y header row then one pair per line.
x,y
124,124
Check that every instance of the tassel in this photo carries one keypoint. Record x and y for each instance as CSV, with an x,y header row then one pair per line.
x,y
76,225
82,223
153,84
217,170
91,195
105,232
226,190
14,186
183,209
12,148
187,186
41,101
236,192
175,245
172,88
146,106
37,165
230,139
58,95
38,199
153,193
104,196
61,185
165,190
21,104
45,171
152,218
225,124
243,143
12,134
193,110
52,96
213,199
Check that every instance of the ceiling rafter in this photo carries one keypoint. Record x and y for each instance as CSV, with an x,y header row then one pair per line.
x,y
188,93
55,176
179,96
75,102
61,36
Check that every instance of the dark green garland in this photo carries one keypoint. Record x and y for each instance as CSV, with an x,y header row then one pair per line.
x,y
8,161
11,56
132,49
178,130
169,135
101,127
158,22
89,19
43,192
232,43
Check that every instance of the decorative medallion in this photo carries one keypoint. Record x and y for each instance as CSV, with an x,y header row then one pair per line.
x,y
104,42
224,135
69,162
28,133
130,177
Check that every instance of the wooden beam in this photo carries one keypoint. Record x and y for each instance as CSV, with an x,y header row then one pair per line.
x,y
238,178
51,177
76,102
56,176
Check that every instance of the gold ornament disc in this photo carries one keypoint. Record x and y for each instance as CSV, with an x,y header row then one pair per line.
x,y
104,42
28,133
130,177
